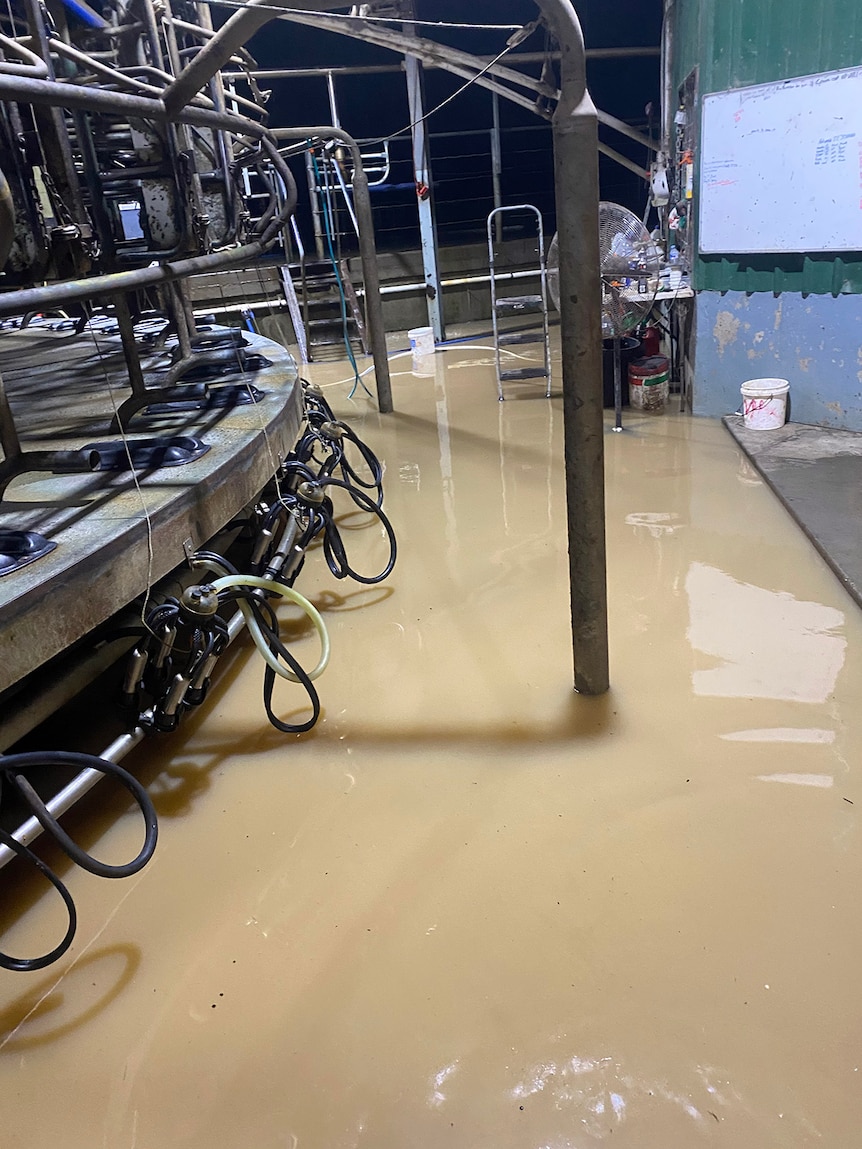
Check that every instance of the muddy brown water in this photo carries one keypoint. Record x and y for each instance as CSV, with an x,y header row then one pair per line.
x,y
472,908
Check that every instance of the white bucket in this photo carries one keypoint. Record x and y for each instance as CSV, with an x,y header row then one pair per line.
x,y
421,341
764,403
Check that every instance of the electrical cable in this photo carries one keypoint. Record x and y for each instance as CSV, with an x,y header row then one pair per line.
x,y
371,461
324,428
12,773
467,84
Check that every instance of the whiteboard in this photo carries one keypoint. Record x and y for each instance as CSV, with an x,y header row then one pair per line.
x,y
781,166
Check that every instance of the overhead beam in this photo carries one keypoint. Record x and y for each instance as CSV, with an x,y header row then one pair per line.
x,y
432,55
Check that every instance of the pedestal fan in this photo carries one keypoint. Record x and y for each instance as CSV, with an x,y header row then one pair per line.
x,y
629,268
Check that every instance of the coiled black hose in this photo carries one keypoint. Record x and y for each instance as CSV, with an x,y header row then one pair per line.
x,y
267,620
27,965
338,460
324,430
12,767
333,545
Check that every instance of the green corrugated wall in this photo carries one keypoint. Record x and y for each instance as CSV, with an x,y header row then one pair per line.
x,y
734,43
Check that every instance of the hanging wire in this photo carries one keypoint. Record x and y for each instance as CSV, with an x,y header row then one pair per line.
x,y
136,481
275,458
468,84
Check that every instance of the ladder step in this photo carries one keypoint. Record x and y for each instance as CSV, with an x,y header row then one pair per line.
x,y
520,304
523,373
505,340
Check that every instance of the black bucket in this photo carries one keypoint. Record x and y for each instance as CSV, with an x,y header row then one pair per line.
x,y
629,349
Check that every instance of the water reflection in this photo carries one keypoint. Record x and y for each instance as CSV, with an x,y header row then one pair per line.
x,y
820,781
782,734
601,1093
766,643
656,523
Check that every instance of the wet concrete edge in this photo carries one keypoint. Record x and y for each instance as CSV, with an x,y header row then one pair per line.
x,y
759,448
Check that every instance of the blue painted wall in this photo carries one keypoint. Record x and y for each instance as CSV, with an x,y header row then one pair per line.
x,y
814,342
797,317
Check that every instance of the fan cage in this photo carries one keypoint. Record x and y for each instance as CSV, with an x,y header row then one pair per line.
x,y
629,263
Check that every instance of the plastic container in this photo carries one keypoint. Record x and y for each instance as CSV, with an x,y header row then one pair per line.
x,y
648,383
764,403
421,341
650,342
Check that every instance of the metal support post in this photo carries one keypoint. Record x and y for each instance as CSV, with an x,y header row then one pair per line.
x,y
422,175
181,320
8,433
576,178
496,166
314,202
333,105
130,345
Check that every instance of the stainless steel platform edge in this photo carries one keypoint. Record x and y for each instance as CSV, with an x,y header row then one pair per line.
x,y
107,558
84,781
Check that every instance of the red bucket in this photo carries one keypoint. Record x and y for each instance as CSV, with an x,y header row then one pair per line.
x,y
649,382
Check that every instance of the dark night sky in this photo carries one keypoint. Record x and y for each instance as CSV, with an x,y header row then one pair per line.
x,y
374,106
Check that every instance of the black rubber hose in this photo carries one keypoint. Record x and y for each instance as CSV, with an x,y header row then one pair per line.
x,y
371,461
27,965
222,565
338,460
269,626
11,764
315,402
295,468
333,547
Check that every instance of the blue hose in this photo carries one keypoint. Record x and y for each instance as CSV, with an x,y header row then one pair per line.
x,y
85,13
327,226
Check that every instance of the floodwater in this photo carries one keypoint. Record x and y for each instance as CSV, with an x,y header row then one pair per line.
x,y
472,908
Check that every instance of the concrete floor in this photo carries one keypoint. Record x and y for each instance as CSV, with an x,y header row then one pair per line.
x,y
472,908
817,473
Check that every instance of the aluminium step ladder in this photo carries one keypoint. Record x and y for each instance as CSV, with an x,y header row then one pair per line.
x,y
505,309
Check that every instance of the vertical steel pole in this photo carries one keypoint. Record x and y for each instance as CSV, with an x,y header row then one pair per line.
x,y
333,105
496,165
8,433
371,276
314,203
130,344
422,175
576,177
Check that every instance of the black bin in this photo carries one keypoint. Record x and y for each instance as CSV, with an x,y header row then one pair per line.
x,y
629,349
